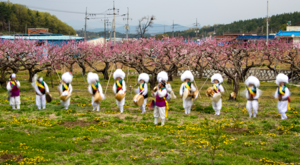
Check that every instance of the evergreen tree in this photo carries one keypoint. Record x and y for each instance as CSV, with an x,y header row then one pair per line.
x,y
20,16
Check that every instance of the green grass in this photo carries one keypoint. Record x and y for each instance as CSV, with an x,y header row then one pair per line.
x,y
81,136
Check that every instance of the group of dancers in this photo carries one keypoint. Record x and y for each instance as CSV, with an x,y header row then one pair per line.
x,y
162,92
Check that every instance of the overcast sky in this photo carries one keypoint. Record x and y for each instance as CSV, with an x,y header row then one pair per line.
x,y
183,12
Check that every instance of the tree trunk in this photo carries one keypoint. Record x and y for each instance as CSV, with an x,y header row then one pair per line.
x,y
152,81
170,76
82,68
71,68
236,87
51,79
31,74
105,71
105,75
200,72
48,73
2,78
172,70
229,81
2,82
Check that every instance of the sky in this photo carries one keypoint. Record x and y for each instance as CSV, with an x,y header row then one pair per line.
x,y
183,12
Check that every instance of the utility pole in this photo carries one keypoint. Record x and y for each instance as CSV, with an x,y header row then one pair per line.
x,y
9,26
25,28
164,29
114,22
127,26
196,30
110,32
113,26
173,29
104,30
215,30
267,22
85,24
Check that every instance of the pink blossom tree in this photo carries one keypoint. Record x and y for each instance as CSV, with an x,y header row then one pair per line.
x,y
283,52
145,55
94,55
23,53
33,57
8,62
179,53
234,59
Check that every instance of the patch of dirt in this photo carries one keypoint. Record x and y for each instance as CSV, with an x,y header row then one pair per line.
x,y
123,116
131,108
52,116
236,130
79,123
100,140
82,119
5,157
89,151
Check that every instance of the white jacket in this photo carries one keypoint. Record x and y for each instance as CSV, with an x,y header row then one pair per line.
x,y
123,87
145,90
100,90
60,88
285,96
38,91
8,87
193,89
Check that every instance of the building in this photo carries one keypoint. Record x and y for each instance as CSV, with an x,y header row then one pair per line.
x,y
247,38
232,36
293,28
31,31
96,41
53,39
290,35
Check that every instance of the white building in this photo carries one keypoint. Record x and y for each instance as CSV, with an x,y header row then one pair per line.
x,y
97,41
293,28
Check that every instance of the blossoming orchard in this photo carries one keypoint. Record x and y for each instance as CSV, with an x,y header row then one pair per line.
x,y
149,101
150,56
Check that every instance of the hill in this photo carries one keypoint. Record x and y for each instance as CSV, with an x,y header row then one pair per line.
x,y
256,25
20,16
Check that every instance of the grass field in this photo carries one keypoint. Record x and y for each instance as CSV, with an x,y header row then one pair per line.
x,y
81,136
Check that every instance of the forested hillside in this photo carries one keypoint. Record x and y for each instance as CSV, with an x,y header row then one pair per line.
x,y
20,16
256,25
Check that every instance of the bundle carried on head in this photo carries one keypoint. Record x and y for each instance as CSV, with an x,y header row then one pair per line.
x,y
119,73
252,80
162,76
187,75
281,78
144,76
217,77
67,77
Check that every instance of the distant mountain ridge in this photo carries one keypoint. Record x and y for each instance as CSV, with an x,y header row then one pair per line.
x,y
156,29
255,25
